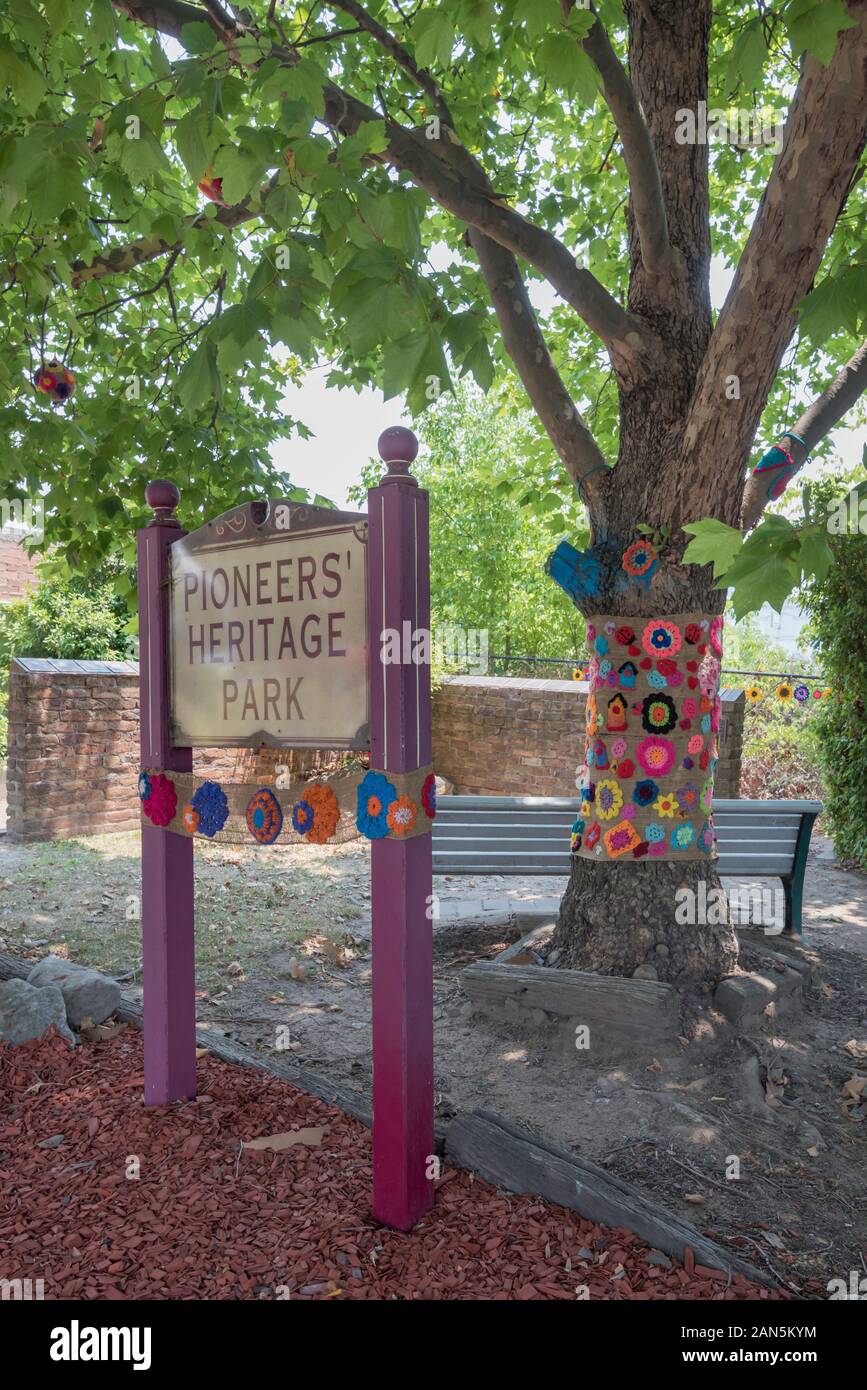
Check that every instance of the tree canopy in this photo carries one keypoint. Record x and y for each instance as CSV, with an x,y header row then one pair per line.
x,y
386,181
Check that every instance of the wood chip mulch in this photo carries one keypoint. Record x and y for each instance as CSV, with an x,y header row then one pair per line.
x,y
206,1219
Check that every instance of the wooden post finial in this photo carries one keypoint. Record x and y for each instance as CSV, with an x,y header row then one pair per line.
x,y
163,497
398,448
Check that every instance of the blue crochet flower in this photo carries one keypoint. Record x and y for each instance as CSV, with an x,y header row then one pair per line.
x,y
645,792
375,795
210,805
302,816
144,786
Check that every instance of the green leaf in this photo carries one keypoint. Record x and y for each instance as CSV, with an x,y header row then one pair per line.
x,y
567,67
189,137
771,581
26,82
240,170
747,59
198,38
538,15
839,302
433,33
714,543
816,556
199,380
813,26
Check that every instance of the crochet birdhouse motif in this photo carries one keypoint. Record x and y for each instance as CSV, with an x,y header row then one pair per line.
x,y
616,721
56,381
627,674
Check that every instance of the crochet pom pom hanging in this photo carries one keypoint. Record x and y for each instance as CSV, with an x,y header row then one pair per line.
x,y
55,381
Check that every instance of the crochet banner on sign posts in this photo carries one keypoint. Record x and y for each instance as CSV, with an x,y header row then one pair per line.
x,y
652,738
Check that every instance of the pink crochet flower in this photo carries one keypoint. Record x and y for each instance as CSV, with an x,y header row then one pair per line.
x,y
161,805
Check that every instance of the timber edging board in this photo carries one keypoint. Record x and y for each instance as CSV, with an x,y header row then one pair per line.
x,y
508,1157
485,1143
621,1010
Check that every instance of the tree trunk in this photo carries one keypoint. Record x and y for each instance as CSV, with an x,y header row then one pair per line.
x,y
618,914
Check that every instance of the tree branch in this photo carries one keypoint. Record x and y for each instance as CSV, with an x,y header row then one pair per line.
x,y
523,341
629,339
812,174
638,151
814,424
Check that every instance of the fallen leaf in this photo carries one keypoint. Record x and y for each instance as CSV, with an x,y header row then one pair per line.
x,y
695,1198
312,1138
100,1032
855,1047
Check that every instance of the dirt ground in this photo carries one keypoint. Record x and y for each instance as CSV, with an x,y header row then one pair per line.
x,y
754,1139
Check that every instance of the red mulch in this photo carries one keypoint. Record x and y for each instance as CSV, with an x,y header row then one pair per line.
x,y
203,1223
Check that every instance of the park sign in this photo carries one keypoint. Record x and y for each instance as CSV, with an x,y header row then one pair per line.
x,y
302,596
268,629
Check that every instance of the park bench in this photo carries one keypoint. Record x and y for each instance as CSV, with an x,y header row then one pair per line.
x,y
530,835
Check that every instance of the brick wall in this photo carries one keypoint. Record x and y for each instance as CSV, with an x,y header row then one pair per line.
x,y
73,744
17,569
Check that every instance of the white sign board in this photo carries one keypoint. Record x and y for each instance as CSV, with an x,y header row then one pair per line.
x,y
268,637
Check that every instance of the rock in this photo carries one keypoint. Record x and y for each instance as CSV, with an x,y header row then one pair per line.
x,y
87,993
444,787
742,997
662,949
27,1012
553,956
645,972
656,1257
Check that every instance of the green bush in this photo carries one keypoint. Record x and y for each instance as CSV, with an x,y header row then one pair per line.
x,y
837,607
81,619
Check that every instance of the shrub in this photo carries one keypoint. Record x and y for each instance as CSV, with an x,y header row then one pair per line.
x,y
837,607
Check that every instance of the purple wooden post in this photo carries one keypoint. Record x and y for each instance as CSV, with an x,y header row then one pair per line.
x,y
401,885
168,923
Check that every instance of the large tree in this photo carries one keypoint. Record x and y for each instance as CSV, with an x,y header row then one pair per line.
x,y
383,175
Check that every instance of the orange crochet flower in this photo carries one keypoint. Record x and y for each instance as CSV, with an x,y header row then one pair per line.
x,y
190,819
401,815
326,812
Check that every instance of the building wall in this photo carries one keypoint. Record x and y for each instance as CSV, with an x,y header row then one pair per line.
x,y
73,744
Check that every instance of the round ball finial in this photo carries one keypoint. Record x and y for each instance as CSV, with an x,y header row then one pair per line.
x,y
398,448
162,497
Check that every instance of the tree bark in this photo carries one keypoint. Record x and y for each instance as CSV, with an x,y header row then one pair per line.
x,y
616,916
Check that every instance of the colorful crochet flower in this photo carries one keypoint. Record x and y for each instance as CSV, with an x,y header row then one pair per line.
x,y
375,795
609,799
707,796
638,558
162,802
696,743
210,804
144,786
665,806
661,636
716,627
654,832
817,694
264,816
429,796
687,798
658,714
625,768
190,819
326,812
656,755
624,635
645,792
683,835
784,691
656,680
401,815
621,838
302,816
753,694
690,708
593,834
801,693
